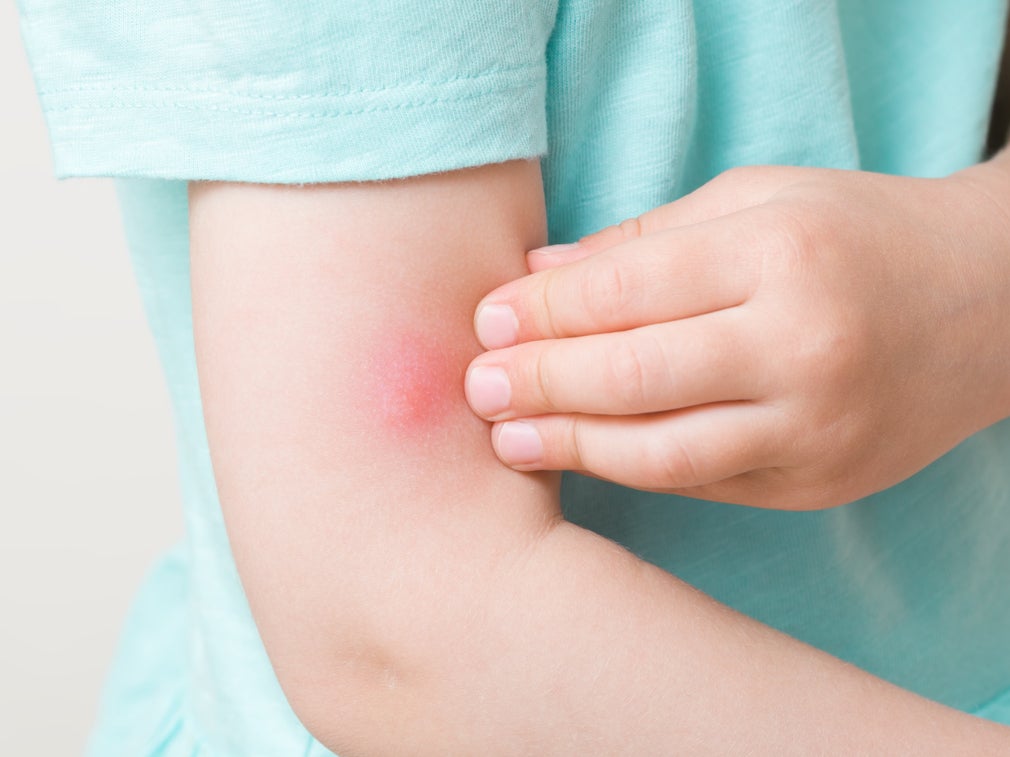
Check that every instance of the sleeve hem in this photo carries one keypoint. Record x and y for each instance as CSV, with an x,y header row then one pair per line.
x,y
362,135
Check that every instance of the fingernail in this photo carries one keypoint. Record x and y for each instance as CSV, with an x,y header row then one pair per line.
x,y
553,249
519,443
497,326
488,391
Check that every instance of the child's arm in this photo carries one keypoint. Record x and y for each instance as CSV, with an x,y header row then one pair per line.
x,y
416,596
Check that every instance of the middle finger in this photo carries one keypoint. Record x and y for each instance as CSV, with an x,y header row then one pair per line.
x,y
707,358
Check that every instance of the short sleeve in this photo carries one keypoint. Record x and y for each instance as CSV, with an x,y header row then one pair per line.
x,y
288,92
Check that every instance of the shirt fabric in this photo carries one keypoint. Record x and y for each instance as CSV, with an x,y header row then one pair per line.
x,y
631,104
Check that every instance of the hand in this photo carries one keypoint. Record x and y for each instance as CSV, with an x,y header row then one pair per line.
x,y
782,337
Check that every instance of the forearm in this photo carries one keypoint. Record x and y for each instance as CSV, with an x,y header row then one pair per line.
x,y
584,649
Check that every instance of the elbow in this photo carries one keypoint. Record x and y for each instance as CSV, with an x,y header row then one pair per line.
x,y
355,698
412,672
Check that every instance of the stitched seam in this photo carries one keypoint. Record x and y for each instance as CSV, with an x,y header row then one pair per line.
x,y
294,114
307,96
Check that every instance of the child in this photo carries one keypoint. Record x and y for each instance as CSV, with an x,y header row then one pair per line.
x,y
412,594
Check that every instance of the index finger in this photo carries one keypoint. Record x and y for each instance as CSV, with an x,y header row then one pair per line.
x,y
663,276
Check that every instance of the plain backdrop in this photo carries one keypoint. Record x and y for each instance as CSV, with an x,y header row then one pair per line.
x,y
88,491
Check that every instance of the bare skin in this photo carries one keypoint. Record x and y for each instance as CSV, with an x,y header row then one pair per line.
x,y
793,338
416,596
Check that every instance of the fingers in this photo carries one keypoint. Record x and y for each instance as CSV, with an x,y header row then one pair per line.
x,y
685,448
664,276
694,361
555,255
729,192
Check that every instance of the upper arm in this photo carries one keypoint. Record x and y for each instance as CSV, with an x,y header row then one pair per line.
x,y
333,326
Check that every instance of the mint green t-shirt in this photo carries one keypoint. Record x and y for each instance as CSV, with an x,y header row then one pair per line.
x,y
631,104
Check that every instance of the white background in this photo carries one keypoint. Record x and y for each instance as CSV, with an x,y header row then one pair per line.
x,y
88,492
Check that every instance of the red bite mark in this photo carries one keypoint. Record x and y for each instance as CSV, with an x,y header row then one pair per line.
x,y
414,382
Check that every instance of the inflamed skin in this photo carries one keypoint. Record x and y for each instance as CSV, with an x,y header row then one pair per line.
x,y
414,385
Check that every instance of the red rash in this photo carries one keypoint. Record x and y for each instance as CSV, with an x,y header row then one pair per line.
x,y
413,383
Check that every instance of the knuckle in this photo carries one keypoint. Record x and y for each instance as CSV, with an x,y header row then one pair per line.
x,y
543,383
618,233
736,187
546,299
792,236
735,175
671,463
764,178
632,371
573,445
607,292
749,179
834,353
630,228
